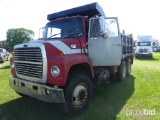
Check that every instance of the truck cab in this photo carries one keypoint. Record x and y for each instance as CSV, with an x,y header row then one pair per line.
x,y
87,35
144,46
80,49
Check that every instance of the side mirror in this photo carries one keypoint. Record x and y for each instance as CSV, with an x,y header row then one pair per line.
x,y
103,28
41,33
102,24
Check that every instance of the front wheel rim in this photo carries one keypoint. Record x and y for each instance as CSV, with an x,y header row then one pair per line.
x,y
79,96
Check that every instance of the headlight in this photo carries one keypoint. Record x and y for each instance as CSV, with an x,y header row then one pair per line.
x,y
55,71
12,65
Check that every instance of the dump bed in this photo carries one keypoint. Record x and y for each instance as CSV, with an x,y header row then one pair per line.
x,y
127,45
86,10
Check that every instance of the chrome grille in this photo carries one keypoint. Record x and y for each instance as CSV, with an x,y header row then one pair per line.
x,y
28,62
28,54
142,50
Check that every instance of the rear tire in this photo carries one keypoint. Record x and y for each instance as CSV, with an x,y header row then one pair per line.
x,y
77,95
121,74
128,67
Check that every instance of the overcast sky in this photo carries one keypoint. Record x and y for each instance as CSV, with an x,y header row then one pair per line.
x,y
135,16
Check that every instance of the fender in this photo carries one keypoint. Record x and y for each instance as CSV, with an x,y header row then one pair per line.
x,y
75,59
64,63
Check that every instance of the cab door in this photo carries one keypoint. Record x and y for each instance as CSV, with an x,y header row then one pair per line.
x,y
104,41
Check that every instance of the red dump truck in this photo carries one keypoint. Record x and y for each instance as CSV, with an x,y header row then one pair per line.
x,y
81,48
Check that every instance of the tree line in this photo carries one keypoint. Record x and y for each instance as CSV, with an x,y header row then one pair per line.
x,y
17,36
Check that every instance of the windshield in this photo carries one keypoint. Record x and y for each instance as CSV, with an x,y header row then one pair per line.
x,y
144,43
1,50
64,28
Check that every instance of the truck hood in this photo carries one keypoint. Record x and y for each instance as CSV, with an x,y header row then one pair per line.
x,y
60,45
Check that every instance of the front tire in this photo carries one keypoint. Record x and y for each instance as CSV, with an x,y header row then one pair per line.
x,y
77,95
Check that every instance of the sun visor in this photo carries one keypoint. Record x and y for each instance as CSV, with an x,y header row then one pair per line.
x,y
86,10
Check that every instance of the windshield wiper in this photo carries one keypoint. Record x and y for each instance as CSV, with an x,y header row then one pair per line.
x,y
72,34
54,35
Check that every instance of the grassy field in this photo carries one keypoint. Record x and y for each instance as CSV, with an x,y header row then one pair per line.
x,y
137,97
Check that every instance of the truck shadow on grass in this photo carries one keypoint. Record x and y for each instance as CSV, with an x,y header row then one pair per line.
x,y
107,102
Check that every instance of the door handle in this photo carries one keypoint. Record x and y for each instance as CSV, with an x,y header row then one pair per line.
x,y
116,44
88,44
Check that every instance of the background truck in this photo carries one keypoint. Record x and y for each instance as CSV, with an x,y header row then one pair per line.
x,y
4,55
81,48
144,46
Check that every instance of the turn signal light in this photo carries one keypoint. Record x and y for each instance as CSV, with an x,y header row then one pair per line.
x,y
62,54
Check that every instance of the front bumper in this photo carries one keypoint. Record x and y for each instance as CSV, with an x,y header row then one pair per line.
x,y
140,55
36,90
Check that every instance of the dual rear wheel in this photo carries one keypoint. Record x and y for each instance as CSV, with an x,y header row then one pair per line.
x,y
124,70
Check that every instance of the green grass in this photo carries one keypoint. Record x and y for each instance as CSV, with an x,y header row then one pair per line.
x,y
111,101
